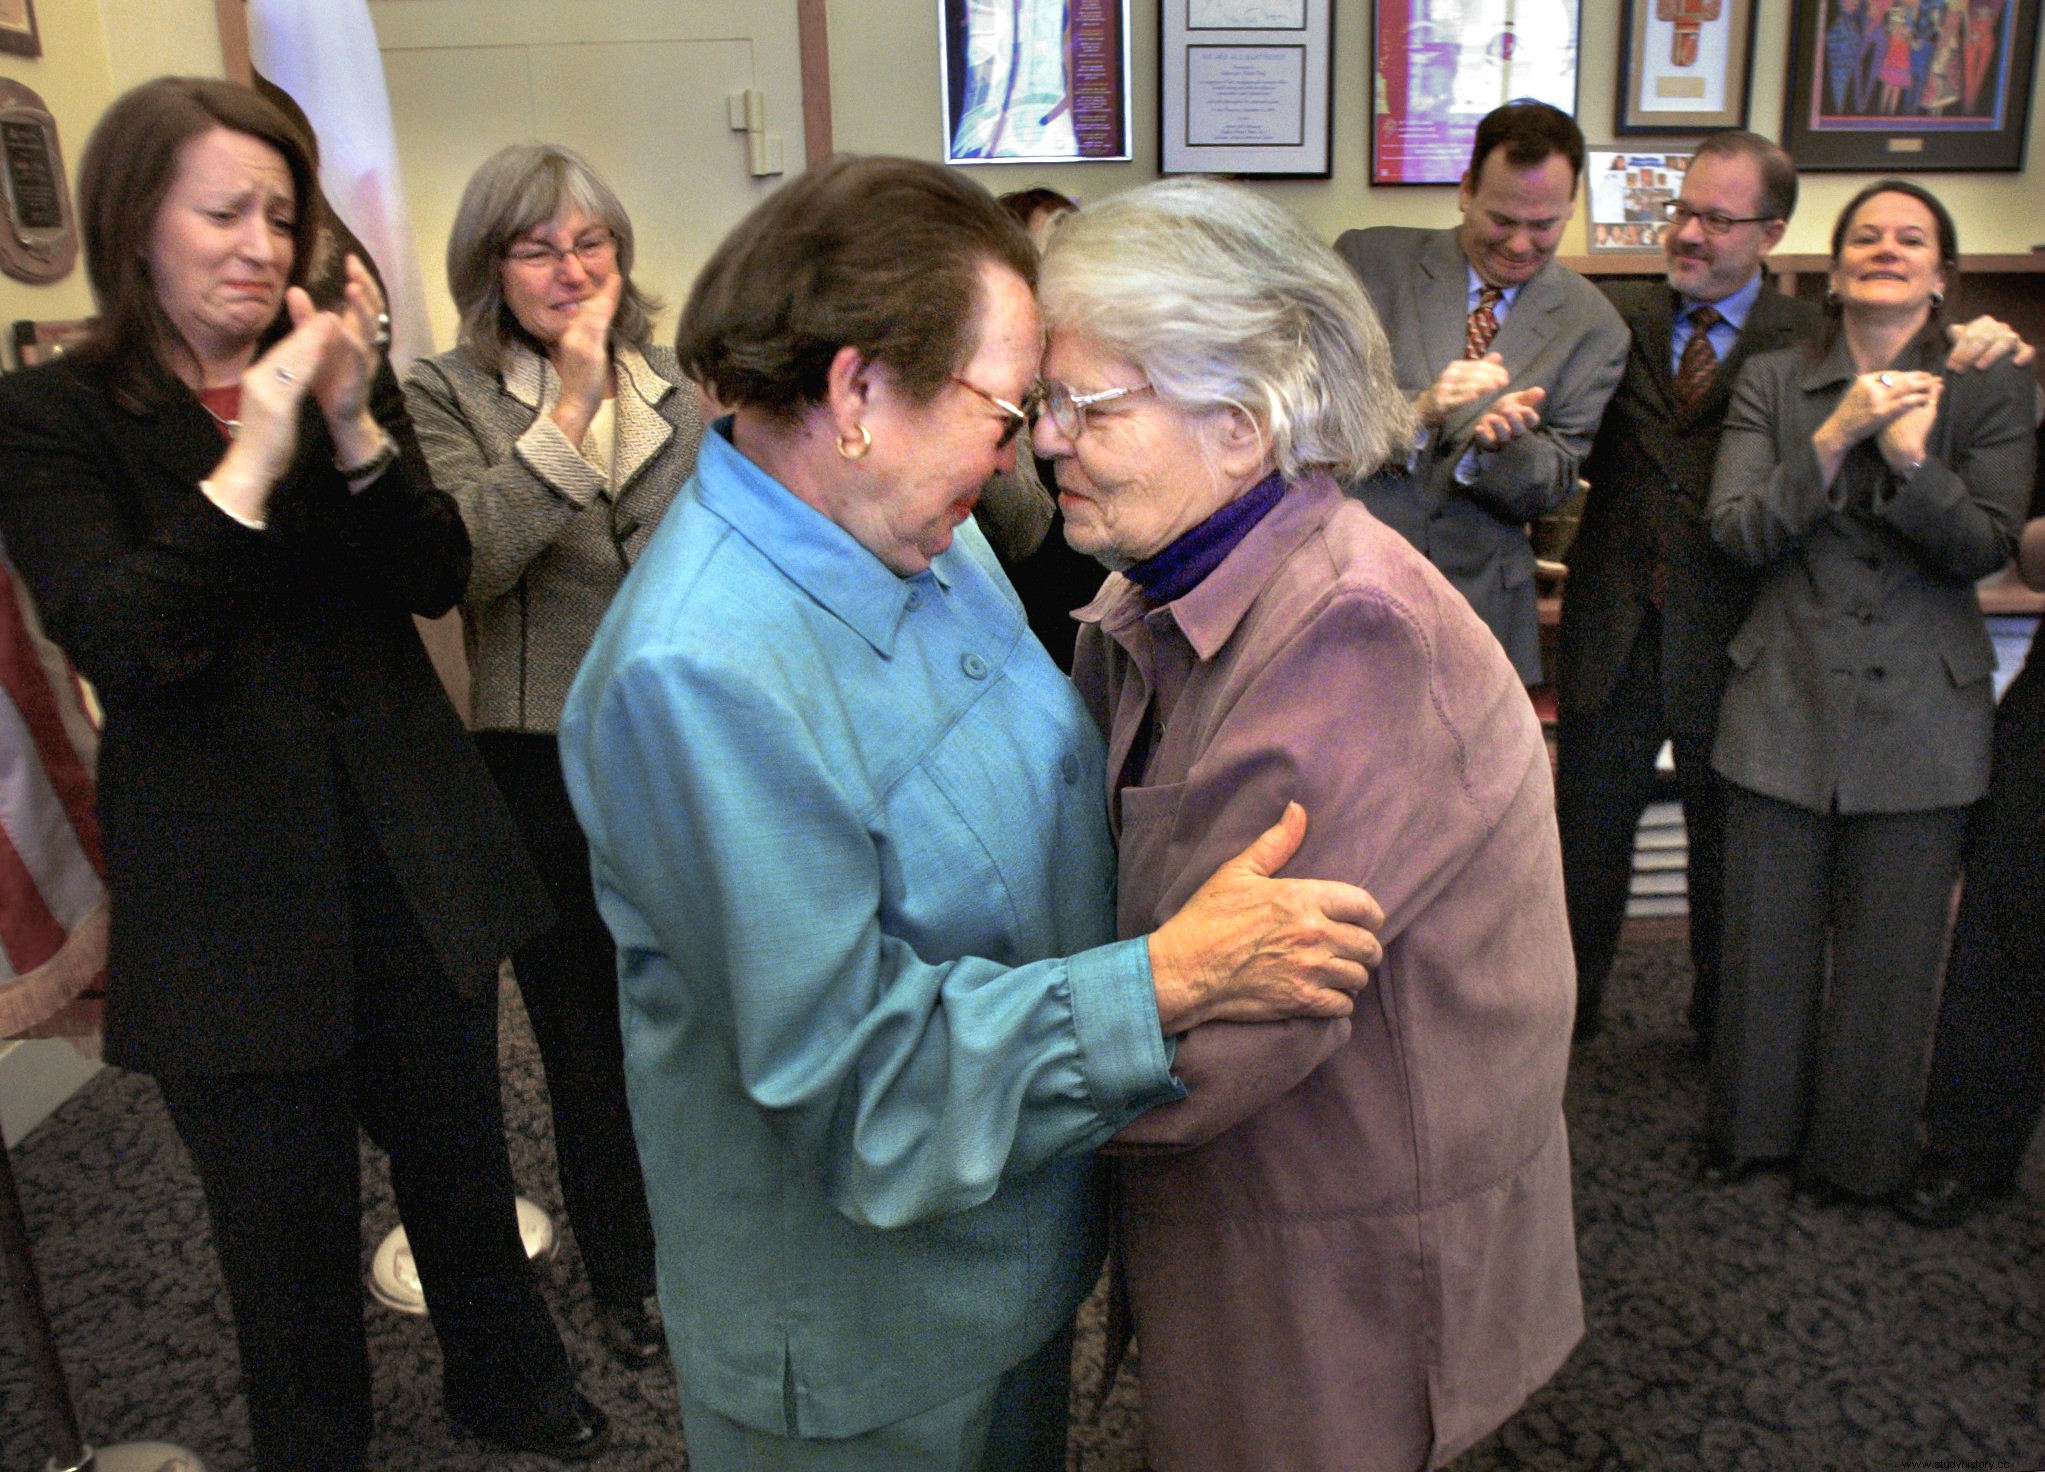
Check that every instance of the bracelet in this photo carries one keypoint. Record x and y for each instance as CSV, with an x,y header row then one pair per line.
x,y
375,465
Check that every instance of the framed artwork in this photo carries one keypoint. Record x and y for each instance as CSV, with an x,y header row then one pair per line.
x,y
1440,65
18,28
1910,84
1685,66
1623,198
1246,87
1035,81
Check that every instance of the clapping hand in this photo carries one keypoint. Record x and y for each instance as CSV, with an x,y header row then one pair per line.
x,y
582,356
332,356
351,341
1903,440
1510,416
1464,381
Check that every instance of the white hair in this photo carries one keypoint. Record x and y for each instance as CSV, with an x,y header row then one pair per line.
x,y
1223,298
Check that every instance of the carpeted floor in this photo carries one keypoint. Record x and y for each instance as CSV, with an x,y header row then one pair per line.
x,y
1730,1329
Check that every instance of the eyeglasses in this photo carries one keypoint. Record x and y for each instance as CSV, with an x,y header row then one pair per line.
x,y
1017,414
1680,214
1068,409
591,250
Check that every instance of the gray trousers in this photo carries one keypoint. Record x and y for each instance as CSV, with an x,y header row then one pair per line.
x,y
1835,926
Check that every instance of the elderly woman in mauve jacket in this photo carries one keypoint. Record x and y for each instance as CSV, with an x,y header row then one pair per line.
x,y
563,433
1872,489
1351,1245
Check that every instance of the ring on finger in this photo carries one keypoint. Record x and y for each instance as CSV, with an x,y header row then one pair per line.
x,y
285,375
1886,380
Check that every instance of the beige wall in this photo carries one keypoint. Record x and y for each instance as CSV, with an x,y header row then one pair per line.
x,y
92,52
898,40
884,83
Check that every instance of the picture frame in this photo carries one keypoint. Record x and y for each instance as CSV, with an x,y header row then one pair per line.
x,y
1624,191
1880,85
18,33
1246,87
1685,66
1438,66
1044,81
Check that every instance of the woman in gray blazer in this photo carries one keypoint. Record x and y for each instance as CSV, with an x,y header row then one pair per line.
x,y
1873,491
562,434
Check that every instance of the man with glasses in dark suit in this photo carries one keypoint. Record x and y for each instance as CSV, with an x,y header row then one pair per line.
x,y
1651,603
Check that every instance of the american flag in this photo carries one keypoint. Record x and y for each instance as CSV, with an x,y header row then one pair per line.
x,y
53,900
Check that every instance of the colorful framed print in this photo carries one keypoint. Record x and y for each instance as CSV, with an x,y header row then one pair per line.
x,y
1440,65
1910,84
1035,81
1623,198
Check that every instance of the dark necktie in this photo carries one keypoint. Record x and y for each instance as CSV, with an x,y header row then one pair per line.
x,y
1483,323
1700,360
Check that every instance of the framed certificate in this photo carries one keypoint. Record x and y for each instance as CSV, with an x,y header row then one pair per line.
x,y
1246,87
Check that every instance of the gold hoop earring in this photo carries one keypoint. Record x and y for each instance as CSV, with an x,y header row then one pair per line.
x,y
850,452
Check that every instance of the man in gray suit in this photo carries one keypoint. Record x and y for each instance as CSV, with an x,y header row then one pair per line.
x,y
1509,358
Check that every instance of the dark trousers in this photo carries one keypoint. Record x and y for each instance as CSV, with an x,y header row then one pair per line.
x,y
569,980
278,1158
1604,780
1834,930
1988,1059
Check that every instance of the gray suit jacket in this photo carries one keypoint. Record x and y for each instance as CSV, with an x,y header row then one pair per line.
x,y
1860,681
1561,335
553,540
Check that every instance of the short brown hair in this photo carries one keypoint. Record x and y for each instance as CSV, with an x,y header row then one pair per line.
x,y
130,163
879,254
1778,169
514,191
1023,204
1530,133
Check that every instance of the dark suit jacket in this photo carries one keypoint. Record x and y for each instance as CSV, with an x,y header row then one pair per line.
x,y
1560,335
241,673
1861,678
1650,475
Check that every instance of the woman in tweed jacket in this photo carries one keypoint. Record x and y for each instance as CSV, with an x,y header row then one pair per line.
x,y
563,435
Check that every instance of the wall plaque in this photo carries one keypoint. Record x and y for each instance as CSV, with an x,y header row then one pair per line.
x,y
39,237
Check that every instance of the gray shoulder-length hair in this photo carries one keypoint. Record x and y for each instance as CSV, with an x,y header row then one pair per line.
x,y
1221,297
516,190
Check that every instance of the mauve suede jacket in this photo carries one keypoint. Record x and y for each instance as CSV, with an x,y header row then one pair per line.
x,y
1352,1245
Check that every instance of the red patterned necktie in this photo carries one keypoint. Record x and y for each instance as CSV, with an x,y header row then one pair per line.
x,y
1483,323
1700,360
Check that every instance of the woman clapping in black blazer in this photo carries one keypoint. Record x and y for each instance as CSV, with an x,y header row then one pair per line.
x,y
223,514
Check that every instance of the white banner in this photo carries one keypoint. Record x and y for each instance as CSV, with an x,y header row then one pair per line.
x,y
324,53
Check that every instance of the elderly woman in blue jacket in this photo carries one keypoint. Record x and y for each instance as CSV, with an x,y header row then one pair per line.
x,y
847,829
